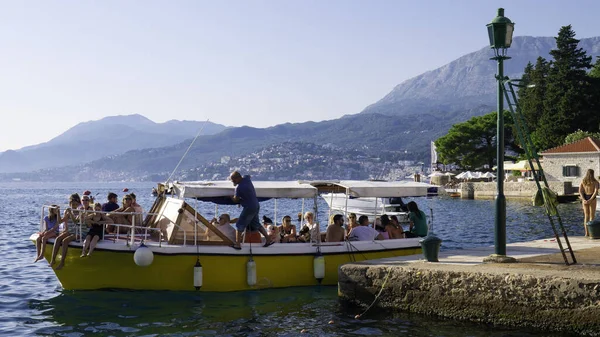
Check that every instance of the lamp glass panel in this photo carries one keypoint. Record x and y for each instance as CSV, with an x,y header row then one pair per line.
x,y
509,34
490,28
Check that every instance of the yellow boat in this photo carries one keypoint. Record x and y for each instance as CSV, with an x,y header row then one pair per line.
x,y
171,254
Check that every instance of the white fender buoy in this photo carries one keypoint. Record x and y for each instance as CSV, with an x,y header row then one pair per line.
x,y
143,256
319,267
198,275
251,272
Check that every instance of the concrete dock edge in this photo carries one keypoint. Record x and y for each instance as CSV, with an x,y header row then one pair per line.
x,y
538,292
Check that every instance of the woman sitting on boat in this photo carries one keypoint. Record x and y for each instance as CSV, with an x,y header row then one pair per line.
x,y
272,230
310,230
121,216
352,221
96,220
394,229
287,231
69,221
51,230
418,221
85,203
380,224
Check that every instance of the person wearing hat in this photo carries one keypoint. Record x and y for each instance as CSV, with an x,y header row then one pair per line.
x,y
112,204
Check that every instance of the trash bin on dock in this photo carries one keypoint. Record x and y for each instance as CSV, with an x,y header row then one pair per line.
x,y
431,247
593,228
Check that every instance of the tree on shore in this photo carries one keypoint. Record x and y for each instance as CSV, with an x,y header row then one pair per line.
x,y
564,96
579,135
472,144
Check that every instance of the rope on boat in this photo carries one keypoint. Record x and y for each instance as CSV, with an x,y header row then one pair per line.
x,y
378,294
186,151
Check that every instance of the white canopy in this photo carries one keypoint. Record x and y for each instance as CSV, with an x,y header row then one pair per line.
x,y
522,165
435,174
225,188
488,175
385,189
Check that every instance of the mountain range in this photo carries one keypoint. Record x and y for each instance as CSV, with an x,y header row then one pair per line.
x,y
109,136
414,113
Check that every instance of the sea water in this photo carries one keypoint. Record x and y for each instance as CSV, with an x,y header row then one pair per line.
x,y
32,301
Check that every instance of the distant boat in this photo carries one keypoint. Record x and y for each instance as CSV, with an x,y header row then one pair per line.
x,y
368,203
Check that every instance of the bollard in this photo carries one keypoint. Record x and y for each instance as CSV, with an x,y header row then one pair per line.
x,y
594,229
431,247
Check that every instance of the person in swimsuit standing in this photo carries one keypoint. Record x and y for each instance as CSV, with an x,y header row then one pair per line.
x,y
588,190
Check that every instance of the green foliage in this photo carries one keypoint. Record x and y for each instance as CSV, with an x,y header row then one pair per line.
x,y
579,135
595,72
564,97
472,144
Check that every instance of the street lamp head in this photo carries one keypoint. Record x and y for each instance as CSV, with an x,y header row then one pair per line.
x,y
500,31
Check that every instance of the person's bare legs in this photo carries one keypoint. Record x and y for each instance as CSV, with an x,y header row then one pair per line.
x,y
95,240
586,215
592,203
86,245
263,231
56,247
65,247
44,241
238,238
38,247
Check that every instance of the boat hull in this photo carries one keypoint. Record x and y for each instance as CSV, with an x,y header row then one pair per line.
x,y
222,271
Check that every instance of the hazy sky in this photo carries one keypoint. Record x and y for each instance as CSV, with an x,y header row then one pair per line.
x,y
257,63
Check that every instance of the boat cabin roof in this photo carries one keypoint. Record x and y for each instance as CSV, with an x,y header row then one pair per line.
x,y
224,188
207,190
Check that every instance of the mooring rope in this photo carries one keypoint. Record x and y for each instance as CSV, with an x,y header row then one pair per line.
x,y
378,294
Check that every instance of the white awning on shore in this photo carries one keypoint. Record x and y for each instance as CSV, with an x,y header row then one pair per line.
x,y
522,165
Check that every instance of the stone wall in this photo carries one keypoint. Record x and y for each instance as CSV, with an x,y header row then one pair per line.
x,y
553,166
543,302
524,189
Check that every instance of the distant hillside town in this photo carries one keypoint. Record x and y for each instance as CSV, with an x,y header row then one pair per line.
x,y
296,161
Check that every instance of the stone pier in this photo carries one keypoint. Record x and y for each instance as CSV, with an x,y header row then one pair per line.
x,y
539,291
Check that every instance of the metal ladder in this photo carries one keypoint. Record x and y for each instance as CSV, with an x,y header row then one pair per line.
x,y
532,156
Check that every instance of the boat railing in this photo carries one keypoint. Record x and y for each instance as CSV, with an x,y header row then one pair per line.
x,y
81,224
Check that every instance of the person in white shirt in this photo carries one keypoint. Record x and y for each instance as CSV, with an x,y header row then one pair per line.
x,y
223,226
364,232
310,230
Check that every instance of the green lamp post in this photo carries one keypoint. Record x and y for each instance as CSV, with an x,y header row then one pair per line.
x,y
500,32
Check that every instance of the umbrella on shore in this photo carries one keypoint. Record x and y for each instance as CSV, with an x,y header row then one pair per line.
x,y
488,175
436,174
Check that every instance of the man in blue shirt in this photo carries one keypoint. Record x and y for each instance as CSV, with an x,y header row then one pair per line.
x,y
112,204
245,195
